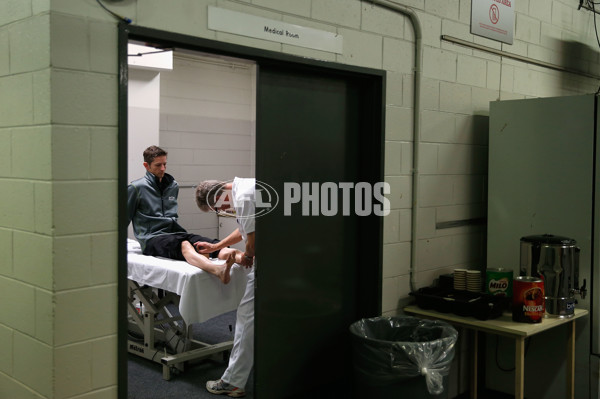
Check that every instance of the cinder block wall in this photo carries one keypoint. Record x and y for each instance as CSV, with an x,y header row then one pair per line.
x,y
207,118
58,117
26,225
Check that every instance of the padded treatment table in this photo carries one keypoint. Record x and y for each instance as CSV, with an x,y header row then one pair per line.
x,y
199,296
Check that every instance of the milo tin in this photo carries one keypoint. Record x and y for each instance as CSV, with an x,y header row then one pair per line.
x,y
528,299
499,282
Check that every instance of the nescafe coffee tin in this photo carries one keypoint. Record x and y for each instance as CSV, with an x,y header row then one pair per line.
x,y
528,299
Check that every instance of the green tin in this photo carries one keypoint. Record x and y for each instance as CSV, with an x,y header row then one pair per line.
x,y
499,282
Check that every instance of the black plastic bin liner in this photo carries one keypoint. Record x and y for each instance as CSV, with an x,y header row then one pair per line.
x,y
391,352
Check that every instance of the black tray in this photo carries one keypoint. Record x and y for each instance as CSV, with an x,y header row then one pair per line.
x,y
482,306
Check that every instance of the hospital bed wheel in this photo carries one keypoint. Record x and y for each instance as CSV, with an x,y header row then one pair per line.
x,y
169,371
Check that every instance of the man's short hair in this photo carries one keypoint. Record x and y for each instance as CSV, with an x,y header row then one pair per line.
x,y
207,193
152,152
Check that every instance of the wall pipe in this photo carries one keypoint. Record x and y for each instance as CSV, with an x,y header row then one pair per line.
x,y
517,57
416,24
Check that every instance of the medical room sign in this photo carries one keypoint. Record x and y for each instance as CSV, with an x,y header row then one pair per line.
x,y
494,19
238,23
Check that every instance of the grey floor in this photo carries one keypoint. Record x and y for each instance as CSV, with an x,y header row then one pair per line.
x,y
145,380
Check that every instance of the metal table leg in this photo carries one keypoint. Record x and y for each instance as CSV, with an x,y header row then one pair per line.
x,y
571,361
474,366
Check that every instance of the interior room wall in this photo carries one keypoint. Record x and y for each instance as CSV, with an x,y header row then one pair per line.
x,y
202,112
207,124
143,118
58,119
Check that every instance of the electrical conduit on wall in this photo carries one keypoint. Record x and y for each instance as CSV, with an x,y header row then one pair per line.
x,y
414,19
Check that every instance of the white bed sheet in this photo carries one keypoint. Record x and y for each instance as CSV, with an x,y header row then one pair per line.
x,y
203,295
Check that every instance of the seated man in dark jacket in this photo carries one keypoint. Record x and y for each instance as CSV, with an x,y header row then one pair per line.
x,y
152,207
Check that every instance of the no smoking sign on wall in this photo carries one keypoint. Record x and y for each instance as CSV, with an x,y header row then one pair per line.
x,y
494,19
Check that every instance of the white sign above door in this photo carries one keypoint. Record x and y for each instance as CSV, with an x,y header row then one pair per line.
x,y
238,23
494,19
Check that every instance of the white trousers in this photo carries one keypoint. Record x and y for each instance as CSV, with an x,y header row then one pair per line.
x,y
242,353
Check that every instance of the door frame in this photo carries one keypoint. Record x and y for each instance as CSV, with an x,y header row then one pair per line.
x,y
261,57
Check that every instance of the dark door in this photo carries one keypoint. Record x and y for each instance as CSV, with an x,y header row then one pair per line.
x,y
316,274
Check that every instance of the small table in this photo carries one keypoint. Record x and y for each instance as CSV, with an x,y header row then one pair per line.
x,y
504,326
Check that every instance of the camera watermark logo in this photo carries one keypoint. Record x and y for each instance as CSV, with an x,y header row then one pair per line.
x,y
260,201
326,199
310,199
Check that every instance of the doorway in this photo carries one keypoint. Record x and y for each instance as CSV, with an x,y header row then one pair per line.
x,y
316,122
201,108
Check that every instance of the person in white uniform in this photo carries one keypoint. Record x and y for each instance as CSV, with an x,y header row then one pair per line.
x,y
212,195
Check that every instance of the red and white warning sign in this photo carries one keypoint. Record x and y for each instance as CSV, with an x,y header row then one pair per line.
x,y
494,19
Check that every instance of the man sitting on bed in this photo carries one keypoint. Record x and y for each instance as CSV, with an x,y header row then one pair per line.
x,y
152,207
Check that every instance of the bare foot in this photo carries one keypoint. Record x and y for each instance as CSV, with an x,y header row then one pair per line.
x,y
239,257
225,273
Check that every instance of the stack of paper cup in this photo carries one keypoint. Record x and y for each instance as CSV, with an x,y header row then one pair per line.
x,y
460,279
474,280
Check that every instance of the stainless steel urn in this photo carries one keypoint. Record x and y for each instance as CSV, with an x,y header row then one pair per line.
x,y
555,259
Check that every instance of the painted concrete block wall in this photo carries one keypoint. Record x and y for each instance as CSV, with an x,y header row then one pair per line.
x,y
143,120
202,112
84,119
143,117
60,170
207,114
58,218
26,278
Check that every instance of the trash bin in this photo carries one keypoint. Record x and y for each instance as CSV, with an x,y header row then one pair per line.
x,y
401,355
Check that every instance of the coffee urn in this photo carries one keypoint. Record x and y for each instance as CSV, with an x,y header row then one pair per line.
x,y
555,260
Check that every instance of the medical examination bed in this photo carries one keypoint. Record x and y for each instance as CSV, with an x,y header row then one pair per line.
x,y
165,298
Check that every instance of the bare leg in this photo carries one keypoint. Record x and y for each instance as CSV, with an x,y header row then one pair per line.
x,y
225,253
202,262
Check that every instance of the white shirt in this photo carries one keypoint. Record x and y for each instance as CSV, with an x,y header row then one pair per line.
x,y
244,202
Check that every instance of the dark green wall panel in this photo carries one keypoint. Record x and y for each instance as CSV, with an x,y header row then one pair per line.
x,y
316,274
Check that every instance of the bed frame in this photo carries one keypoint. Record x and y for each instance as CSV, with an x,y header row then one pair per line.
x,y
164,337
